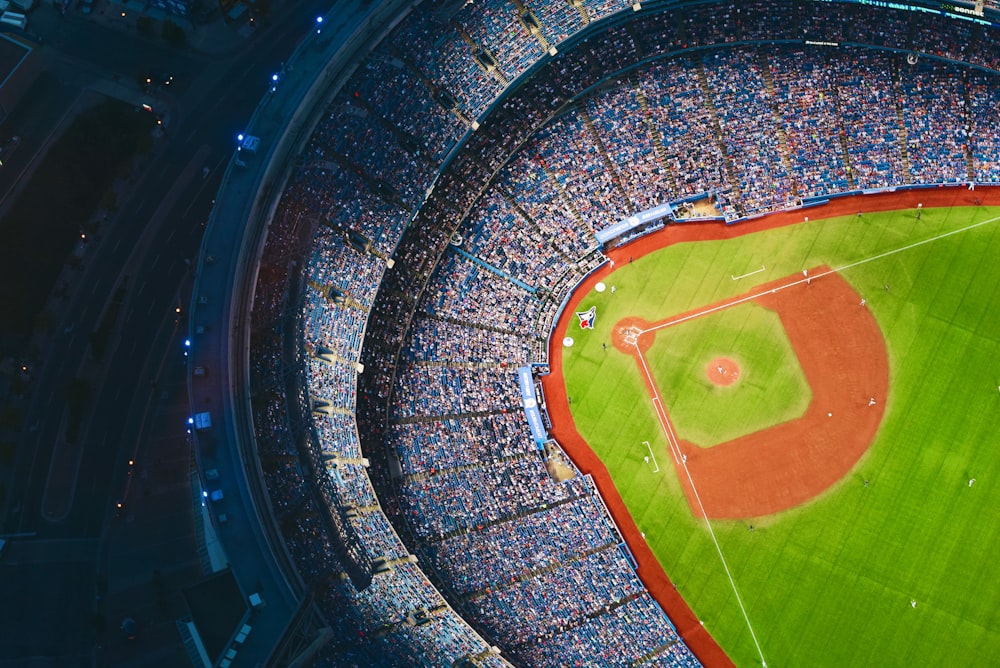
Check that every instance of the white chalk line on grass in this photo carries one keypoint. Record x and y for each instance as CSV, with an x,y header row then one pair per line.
x,y
835,270
675,449
655,464
661,413
755,271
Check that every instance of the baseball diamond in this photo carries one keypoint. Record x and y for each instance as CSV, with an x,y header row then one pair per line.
x,y
859,483
511,254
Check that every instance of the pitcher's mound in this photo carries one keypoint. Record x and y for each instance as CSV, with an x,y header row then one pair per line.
x,y
722,371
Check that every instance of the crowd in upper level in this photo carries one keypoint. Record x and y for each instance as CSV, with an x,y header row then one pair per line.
x,y
482,262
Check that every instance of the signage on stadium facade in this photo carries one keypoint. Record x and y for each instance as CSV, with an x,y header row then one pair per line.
x,y
530,403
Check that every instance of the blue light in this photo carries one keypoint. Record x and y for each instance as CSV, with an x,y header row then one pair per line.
x,y
274,77
319,19
187,343
239,137
190,420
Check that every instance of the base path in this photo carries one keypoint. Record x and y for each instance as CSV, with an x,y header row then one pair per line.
x,y
843,356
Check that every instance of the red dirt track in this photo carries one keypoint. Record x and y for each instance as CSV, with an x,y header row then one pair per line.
x,y
564,431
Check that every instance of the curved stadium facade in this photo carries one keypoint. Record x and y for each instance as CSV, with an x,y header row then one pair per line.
x,y
447,202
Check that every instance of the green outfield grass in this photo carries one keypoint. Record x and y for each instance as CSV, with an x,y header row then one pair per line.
x,y
770,389
831,583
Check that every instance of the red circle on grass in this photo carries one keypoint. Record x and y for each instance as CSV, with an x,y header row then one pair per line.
x,y
722,371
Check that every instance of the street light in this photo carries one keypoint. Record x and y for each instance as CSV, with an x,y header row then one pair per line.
x,y
319,24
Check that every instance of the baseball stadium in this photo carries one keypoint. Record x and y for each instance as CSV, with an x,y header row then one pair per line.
x,y
600,333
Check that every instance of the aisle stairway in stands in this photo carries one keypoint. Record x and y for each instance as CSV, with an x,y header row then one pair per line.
x,y
970,163
897,97
764,61
536,230
378,186
461,468
609,165
452,416
706,91
567,202
654,132
586,617
466,323
438,93
531,23
483,57
507,519
845,153
530,573
413,146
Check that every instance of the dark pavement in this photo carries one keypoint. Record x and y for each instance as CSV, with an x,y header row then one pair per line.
x,y
73,592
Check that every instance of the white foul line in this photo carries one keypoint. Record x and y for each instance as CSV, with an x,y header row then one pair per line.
x,y
681,460
751,297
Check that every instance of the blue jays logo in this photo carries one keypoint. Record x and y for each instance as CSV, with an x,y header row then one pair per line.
x,y
587,317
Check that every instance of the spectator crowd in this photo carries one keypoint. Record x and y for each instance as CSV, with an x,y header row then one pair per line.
x,y
438,215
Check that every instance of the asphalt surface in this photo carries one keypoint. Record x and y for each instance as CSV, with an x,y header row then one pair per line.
x,y
58,560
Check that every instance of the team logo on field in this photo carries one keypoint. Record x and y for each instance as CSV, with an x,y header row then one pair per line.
x,y
587,317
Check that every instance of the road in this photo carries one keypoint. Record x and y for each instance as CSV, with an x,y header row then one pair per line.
x,y
147,249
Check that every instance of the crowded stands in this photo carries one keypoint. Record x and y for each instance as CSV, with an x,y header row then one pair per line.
x,y
439,241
